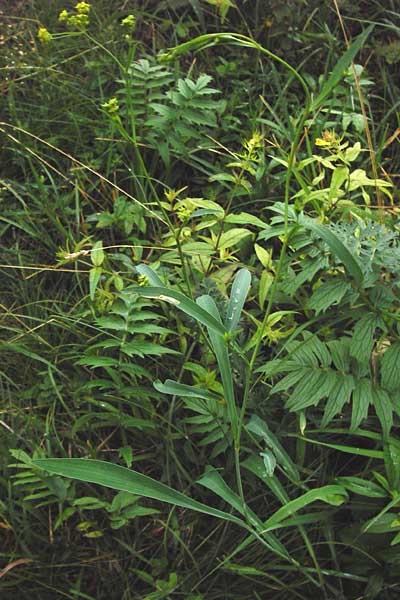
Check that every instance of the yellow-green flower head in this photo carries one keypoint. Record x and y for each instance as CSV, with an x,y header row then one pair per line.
x,y
111,107
143,281
83,8
44,36
129,22
63,16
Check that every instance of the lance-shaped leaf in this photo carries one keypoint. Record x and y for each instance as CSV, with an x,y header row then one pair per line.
x,y
221,352
239,291
174,388
121,478
183,303
331,494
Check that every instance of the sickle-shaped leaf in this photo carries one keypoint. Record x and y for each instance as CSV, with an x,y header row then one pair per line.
x,y
182,302
239,291
121,478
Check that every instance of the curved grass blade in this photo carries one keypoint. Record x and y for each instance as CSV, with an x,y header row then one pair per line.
x,y
182,302
239,291
121,478
331,494
342,65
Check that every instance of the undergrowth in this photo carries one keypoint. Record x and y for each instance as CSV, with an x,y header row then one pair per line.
x,y
200,269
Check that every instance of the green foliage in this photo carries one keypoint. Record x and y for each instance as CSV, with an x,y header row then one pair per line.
x,y
200,310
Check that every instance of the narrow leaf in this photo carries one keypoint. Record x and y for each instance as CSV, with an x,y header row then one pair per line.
x,y
120,478
342,65
183,303
239,291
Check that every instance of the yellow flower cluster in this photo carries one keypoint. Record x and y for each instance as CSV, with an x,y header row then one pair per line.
x,y
111,107
129,22
78,20
329,140
44,36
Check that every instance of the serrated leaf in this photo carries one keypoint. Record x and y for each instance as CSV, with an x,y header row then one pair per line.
x,y
338,396
362,340
390,368
329,293
384,410
361,399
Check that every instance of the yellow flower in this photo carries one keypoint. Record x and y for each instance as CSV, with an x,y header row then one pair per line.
x,y
44,36
129,22
83,8
111,107
63,16
329,139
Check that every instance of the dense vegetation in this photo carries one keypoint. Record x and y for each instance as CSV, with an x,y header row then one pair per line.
x,y
200,275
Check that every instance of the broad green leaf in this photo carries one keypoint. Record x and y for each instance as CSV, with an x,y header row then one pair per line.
x,y
256,465
329,293
94,278
183,303
239,291
123,479
390,368
245,218
331,494
263,256
337,247
339,176
232,237
97,255
341,66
